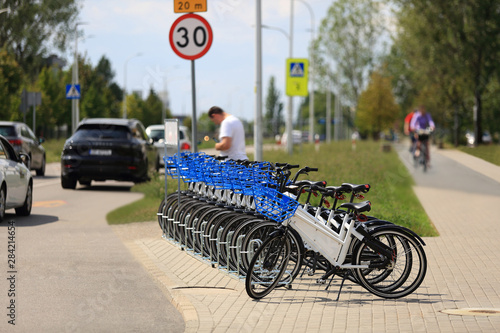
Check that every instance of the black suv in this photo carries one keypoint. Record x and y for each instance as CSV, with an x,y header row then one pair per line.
x,y
24,140
106,149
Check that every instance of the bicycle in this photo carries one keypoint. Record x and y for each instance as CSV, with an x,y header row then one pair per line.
x,y
421,153
387,260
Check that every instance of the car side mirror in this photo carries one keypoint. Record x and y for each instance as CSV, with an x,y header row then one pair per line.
x,y
25,159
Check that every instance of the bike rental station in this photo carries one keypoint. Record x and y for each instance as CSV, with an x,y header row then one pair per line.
x,y
257,223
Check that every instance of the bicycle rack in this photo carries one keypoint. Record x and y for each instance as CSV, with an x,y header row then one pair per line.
x,y
236,189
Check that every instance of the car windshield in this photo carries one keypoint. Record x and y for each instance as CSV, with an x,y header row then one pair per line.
x,y
94,132
156,134
7,131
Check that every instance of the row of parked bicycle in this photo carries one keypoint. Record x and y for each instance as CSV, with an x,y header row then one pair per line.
x,y
256,221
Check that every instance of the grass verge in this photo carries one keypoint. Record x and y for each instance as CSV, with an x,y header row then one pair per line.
x,y
391,191
53,149
490,153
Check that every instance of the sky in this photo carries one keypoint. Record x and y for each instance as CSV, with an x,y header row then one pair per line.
x,y
225,75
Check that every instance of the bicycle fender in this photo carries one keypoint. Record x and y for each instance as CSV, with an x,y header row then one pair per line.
x,y
400,228
376,223
277,233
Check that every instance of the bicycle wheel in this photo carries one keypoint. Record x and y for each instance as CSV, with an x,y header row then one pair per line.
x,y
192,223
237,241
185,219
404,275
227,236
211,229
200,236
267,266
423,156
169,209
259,233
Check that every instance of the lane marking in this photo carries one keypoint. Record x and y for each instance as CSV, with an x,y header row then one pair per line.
x,y
49,204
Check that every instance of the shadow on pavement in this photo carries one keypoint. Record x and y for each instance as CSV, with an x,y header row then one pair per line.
x,y
28,221
110,188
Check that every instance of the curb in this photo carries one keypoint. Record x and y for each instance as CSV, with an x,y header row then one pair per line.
x,y
180,301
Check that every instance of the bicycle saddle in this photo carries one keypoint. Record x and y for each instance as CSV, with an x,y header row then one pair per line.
x,y
358,207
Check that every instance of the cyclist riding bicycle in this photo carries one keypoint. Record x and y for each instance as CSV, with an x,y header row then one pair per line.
x,y
408,130
420,122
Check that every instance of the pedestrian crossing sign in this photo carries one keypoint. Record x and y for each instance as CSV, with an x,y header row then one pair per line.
x,y
297,77
72,91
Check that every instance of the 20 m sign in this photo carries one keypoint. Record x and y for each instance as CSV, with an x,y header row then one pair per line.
x,y
190,36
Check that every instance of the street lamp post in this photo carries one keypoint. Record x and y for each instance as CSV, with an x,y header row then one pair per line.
x,y
125,83
289,124
75,103
311,77
289,40
257,128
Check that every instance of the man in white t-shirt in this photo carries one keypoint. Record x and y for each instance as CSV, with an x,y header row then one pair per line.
x,y
231,136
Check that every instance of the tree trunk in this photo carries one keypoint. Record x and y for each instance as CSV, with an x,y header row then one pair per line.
x,y
478,128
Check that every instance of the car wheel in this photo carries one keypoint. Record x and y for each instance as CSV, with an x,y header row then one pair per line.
x,y
2,203
41,171
85,182
68,183
25,209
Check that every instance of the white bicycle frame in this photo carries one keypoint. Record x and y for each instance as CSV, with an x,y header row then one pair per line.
x,y
333,246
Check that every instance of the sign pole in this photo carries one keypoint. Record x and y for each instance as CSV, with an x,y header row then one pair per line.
x,y
191,37
34,118
194,124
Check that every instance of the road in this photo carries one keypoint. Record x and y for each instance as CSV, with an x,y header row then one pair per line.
x,y
72,273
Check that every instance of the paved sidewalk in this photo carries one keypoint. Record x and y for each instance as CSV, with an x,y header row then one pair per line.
x,y
463,270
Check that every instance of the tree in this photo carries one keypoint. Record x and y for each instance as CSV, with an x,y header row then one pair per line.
x,y
274,110
205,126
347,40
152,109
11,77
54,104
455,43
135,106
377,109
33,27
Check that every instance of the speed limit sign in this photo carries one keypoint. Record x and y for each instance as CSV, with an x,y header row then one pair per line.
x,y
190,36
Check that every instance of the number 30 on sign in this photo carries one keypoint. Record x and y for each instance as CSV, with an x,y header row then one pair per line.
x,y
190,36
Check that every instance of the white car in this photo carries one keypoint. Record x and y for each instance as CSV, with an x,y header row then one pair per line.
x,y
296,135
16,184
157,134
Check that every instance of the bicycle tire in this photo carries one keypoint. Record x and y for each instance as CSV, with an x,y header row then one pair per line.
x,y
192,224
211,229
235,251
200,227
219,225
408,270
226,237
185,218
161,209
267,266
423,153
259,233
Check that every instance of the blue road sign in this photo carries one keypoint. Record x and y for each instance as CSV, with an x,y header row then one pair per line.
x,y
72,91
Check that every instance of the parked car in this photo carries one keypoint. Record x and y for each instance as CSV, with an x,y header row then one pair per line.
x,y
157,135
296,136
16,183
106,149
24,140
469,135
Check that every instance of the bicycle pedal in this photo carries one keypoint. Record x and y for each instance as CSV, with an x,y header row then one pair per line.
x,y
320,281
310,271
